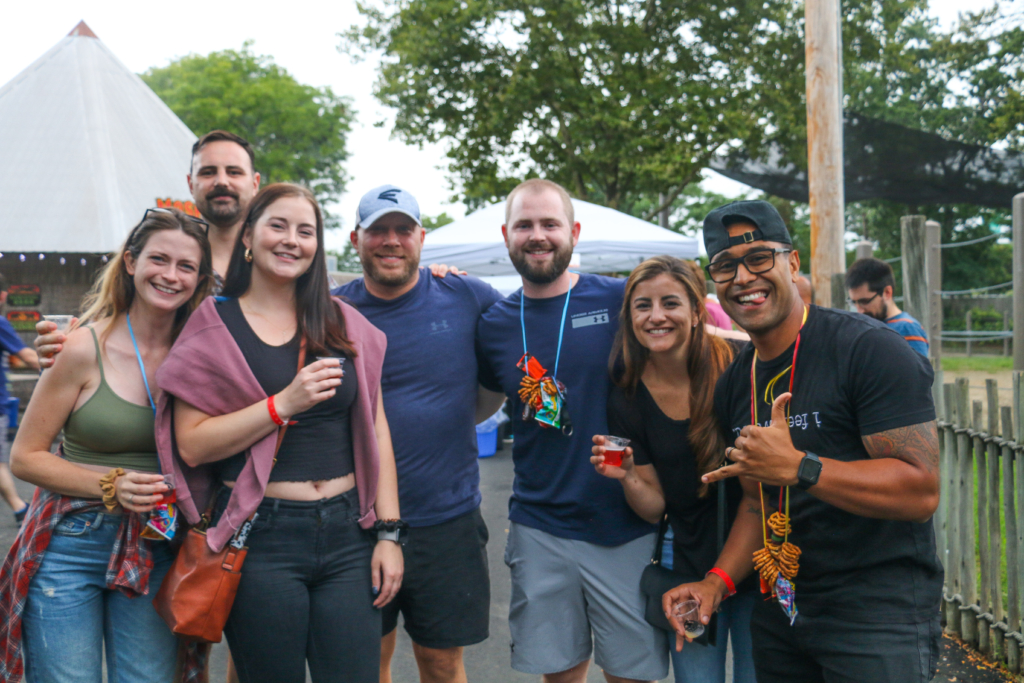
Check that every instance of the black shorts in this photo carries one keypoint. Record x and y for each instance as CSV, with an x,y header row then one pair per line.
x,y
833,650
446,592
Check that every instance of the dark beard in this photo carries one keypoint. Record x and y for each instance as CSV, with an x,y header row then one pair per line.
x,y
542,275
877,316
371,271
221,216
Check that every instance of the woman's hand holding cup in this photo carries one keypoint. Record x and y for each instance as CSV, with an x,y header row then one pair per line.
x,y
602,461
315,383
139,491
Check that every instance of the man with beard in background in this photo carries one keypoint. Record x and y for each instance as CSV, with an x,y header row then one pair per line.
x,y
223,180
575,548
433,402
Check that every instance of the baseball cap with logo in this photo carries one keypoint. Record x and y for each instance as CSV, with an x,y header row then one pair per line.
x,y
384,200
768,225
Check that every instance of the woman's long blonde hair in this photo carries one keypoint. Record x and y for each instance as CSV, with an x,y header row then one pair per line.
x,y
114,290
708,357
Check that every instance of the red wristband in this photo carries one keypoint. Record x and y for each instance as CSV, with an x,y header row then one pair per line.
x,y
720,573
273,412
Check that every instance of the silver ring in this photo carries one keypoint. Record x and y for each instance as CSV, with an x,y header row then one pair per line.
x,y
728,450
131,498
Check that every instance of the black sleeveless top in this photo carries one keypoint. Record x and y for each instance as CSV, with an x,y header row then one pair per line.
x,y
319,445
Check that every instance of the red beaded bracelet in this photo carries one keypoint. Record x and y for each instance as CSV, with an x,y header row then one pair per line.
x,y
720,573
273,412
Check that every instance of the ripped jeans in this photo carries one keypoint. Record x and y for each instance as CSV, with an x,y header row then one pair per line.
x,y
70,614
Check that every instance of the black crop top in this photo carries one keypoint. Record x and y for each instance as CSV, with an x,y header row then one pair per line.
x,y
319,445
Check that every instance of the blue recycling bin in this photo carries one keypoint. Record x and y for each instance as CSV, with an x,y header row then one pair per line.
x,y
487,442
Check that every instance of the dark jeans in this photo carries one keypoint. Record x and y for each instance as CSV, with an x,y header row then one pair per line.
x,y
305,595
832,650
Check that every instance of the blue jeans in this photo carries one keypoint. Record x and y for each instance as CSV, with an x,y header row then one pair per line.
x,y
70,613
704,663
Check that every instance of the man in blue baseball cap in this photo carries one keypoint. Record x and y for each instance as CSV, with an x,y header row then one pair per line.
x,y
433,402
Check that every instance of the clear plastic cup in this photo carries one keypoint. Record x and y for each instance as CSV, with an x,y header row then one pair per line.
x,y
687,613
63,322
170,496
614,446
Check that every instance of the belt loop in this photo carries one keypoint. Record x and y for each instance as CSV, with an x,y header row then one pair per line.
x,y
277,503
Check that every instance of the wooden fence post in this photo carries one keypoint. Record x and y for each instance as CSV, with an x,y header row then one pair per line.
x,y
968,537
1012,647
865,249
995,546
951,485
915,270
984,547
933,264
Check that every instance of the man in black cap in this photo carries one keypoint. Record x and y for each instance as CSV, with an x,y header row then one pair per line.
x,y
834,439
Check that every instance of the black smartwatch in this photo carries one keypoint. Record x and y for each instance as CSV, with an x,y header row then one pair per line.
x,y
809,471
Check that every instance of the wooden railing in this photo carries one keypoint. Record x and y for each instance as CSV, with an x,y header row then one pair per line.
x,y
979,525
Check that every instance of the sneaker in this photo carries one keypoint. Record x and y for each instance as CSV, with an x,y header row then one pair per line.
x,y
19,515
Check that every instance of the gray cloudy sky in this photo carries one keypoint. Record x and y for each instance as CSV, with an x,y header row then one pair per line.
x,y
300,36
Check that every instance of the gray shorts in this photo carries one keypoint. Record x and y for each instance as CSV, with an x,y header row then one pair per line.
x,y
573,598
5,447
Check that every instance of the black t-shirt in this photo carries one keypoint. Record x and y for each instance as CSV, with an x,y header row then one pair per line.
x,y
319,445
854,377
658,440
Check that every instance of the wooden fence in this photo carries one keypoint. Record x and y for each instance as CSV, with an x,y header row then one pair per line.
x,y
979,525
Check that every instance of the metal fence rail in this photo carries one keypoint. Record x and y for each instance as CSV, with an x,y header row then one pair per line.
x,y
979,525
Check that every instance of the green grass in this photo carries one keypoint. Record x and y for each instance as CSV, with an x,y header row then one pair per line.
x,y
976,363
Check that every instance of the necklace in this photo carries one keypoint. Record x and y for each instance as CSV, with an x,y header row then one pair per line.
x,y
543,395
777,561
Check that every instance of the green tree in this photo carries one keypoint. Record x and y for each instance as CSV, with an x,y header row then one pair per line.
x,y
298,131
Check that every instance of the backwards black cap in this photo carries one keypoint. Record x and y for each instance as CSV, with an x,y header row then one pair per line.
x,y
766,220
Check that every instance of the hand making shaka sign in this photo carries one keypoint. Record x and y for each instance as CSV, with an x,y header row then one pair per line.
x,y
764,454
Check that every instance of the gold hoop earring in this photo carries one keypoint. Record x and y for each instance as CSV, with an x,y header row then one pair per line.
x,y
248,255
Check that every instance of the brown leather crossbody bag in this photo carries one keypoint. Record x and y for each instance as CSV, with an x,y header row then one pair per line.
x,y
196,596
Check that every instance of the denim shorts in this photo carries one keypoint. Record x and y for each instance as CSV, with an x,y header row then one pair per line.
x,y
70,614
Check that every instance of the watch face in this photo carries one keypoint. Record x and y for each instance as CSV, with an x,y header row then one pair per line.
x,y
810,469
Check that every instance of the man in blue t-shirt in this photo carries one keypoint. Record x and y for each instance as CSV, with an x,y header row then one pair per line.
x,y
870,283
433,402
575,548
10,343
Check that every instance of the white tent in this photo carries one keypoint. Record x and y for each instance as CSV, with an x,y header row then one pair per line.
x,y
610,241
86,148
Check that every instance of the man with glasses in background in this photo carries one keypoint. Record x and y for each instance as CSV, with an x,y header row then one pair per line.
x,y
833,435
870,283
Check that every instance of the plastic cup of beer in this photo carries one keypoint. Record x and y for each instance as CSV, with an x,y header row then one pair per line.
x,y
63,322
687,613
614,446
170,496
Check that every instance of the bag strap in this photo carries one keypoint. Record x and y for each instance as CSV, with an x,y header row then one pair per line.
x,y
719,531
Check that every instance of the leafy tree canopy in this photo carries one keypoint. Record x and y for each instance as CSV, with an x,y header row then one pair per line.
x,y
298,131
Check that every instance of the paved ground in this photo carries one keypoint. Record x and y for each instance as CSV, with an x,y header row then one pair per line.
x,y
488,662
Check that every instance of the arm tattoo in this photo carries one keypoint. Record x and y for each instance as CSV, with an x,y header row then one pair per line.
x,y
917,445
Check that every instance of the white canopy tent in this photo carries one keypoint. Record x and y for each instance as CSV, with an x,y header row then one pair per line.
x,y
86,148
610,241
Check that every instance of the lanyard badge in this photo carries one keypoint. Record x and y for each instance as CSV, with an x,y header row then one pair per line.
x,y
543,395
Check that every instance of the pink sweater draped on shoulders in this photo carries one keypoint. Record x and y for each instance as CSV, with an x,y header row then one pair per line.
x,y
206,369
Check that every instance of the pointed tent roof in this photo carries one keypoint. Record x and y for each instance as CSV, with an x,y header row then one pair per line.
x,y
86,148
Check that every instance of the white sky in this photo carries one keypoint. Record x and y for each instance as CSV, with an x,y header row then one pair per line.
x,y
303,41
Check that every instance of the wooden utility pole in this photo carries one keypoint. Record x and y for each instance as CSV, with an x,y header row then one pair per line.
x,y
824,146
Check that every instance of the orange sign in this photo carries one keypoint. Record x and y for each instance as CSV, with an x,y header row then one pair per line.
x,y
187,207
24,321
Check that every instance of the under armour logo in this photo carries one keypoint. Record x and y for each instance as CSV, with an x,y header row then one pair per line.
x,y
439,327
389,195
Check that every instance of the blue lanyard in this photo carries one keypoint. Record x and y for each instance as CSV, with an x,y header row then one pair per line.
x,y
561,327
138,357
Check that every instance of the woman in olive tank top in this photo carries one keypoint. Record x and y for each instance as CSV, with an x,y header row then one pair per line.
x,y
79,560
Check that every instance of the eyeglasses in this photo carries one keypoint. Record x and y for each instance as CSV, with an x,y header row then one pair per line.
x,y
756,262
864,302
199,221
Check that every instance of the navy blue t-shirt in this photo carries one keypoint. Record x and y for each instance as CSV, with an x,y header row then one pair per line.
x,y
11,343
429,383
556,488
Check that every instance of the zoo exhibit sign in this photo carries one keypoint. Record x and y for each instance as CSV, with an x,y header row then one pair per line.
x,y
24,295
186,207
24,321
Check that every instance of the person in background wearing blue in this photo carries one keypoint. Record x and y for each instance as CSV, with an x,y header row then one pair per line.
x,y
575,548
870,284
665,365
10,343
433,402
